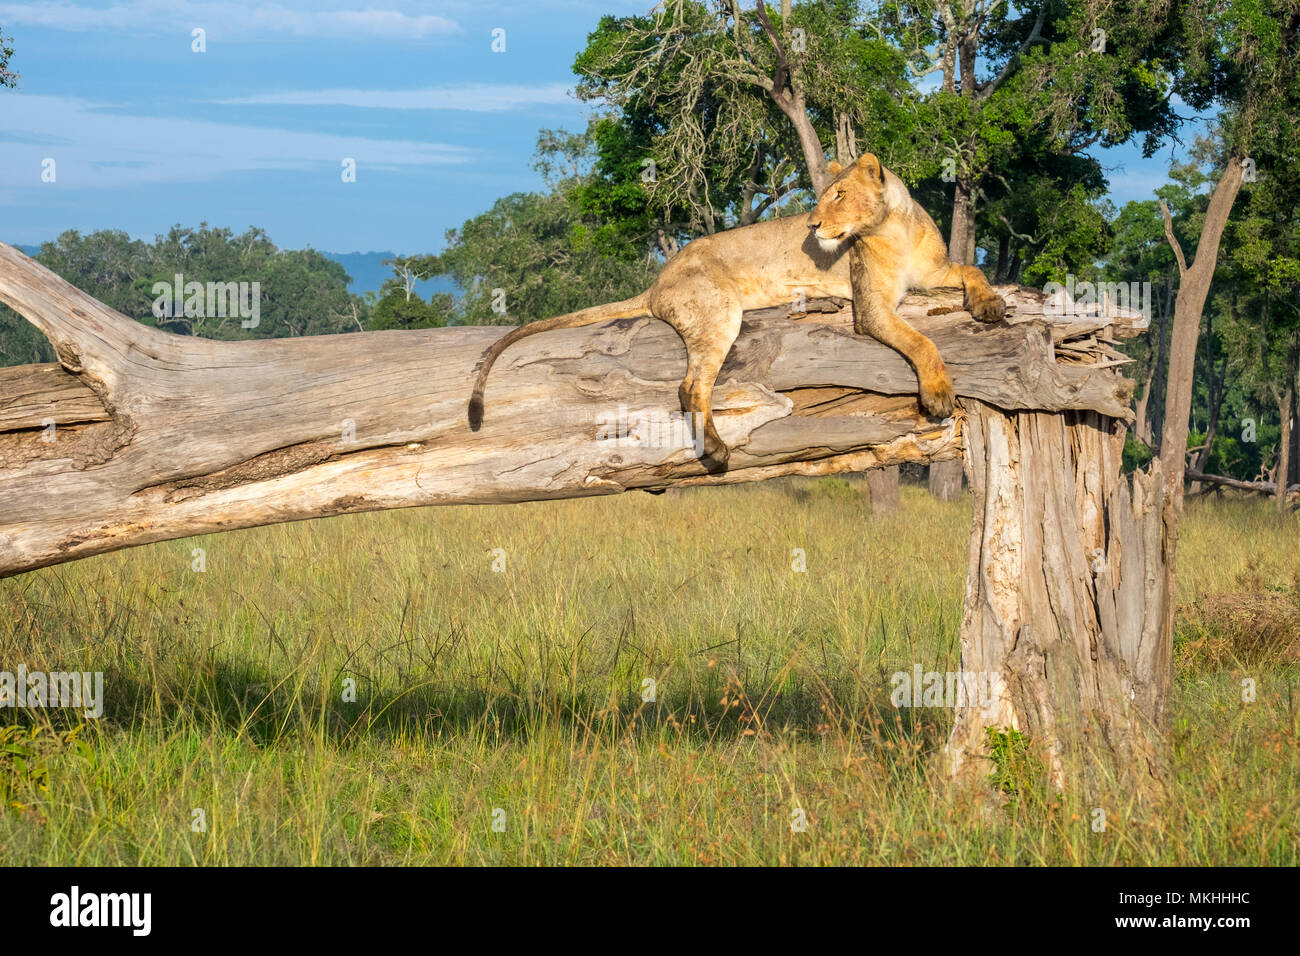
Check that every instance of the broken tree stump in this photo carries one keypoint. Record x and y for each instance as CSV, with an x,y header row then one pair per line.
x,y
137,435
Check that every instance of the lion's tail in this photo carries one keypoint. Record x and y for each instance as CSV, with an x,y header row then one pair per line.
x,y
626,309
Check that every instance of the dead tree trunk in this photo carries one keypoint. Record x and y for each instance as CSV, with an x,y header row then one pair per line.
x,y
1285,406
1064,598
1261,487
945,480
882,483
141,436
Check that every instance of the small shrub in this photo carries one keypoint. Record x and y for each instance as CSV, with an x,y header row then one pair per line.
x,y
1016,771
26,757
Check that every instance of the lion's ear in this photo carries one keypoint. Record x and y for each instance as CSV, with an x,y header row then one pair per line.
x,y
872,166
835,168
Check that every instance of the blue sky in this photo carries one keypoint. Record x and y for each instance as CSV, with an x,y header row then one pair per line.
x,y
146,133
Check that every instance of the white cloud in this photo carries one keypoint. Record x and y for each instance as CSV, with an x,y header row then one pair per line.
x,y
97,149
228,20
475,97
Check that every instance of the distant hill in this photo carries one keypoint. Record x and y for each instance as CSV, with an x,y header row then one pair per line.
x,y
368,273
28,250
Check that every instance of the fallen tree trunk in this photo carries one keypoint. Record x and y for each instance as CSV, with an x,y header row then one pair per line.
x,y
159,436
1261,487
140,436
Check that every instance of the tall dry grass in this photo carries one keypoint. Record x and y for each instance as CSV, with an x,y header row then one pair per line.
x,y
521,692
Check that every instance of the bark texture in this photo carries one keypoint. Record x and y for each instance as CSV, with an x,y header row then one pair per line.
x,y
945,480
882,485
1064,598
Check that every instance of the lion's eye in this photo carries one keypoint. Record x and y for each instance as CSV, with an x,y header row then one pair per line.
x,y
839,195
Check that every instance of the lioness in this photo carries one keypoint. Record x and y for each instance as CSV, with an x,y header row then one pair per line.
x,y
704,289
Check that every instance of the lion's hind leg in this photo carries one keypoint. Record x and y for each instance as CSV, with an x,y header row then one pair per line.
x,y
707,317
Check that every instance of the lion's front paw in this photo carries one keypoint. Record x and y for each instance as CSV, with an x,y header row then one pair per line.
x,y
937,396
988,308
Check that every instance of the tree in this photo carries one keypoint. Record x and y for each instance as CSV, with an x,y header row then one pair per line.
x,y
344,424
7,77
536,255
734,107
1051,79
1140,253
396,308
1245,57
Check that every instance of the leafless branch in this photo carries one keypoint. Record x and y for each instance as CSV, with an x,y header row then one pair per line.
x,y
1173,241
985,90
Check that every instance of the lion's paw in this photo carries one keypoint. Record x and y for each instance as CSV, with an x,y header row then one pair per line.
x,y
988,309
938,397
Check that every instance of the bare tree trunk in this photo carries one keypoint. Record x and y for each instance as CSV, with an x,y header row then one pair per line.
x,y
1142,423
1084,651
882,483
1064,602
1285,407
667,244
794,107
846,140
969,256
963,225
961,241
789,97
1193,288
945,480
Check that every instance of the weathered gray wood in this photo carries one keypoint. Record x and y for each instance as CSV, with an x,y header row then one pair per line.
x,y
883,490
945,480
31,396
1064,600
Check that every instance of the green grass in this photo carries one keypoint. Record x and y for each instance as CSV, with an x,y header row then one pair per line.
x,y
522,691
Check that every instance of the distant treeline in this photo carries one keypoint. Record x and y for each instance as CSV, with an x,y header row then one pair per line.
x,y
301,292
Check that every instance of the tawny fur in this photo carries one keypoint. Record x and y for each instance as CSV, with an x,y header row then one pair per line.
x,y
866,240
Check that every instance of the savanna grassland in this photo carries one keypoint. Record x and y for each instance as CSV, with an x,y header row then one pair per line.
x,y
521,691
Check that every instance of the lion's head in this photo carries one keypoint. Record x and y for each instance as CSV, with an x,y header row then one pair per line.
x,y
857,201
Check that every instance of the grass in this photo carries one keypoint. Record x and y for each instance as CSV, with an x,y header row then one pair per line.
x,y
228,739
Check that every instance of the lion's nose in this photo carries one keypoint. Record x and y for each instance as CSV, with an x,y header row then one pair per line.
x,y
815,223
